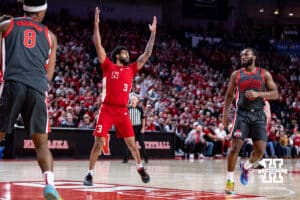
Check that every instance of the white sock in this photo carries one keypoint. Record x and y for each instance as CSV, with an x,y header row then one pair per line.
x,y
49,177
139,165
248,165
90,172
230,176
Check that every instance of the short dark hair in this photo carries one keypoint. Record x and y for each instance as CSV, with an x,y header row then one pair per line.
x,y
254,51
117,50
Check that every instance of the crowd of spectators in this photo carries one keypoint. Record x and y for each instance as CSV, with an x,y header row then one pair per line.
x,y
180,86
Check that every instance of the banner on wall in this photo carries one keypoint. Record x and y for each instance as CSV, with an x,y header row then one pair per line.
x,y
77,143
287,47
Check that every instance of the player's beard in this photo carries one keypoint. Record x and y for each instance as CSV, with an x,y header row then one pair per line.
x,y
124,61
248,63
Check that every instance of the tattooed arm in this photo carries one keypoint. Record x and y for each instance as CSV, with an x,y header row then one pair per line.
x,y
97,38
148,50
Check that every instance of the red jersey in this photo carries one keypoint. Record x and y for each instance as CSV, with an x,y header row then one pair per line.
x,y
117,82
297,140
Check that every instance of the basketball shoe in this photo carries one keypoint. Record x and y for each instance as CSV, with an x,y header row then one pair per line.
x,y
244,174
88,180
144,175
229,188
50,193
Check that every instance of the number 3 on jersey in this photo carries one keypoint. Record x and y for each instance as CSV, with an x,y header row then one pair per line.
x,y
29,38
99,129
125,87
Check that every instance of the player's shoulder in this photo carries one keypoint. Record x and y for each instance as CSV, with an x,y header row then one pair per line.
x,y
263,69
266,72
19,18
107,62
132,65
235,73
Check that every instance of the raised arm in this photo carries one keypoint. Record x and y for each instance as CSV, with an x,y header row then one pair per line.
x,y
52,57
148,50
97,38
229,97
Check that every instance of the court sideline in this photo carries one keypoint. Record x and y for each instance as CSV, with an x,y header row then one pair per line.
x,y
170,179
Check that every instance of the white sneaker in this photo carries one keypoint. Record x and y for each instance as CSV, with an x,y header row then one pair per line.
x,y
191,156
201,156
179,152
218,156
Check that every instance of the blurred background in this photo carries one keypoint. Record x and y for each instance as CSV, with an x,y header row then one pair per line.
x,y
197,47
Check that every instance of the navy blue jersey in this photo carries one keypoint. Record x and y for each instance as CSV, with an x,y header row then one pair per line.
x,y
250,81
27,46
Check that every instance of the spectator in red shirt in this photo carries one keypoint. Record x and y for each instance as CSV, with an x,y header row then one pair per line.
x,y
150,126
296,141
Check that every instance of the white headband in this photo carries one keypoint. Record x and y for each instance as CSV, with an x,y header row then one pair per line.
x,y
35,8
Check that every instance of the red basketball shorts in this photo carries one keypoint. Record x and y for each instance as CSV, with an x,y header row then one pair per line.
x,y
112,115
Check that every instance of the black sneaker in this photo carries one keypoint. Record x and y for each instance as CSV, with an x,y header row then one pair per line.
x,y
144,175
125,161
146,160
88,180
259,166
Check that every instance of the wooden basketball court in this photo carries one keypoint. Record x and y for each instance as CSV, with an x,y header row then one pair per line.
x,y
170,179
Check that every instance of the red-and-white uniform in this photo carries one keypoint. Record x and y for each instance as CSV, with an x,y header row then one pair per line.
x,y
117,83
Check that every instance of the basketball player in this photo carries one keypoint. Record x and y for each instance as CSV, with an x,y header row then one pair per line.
x,y
252,85
117,81
28,60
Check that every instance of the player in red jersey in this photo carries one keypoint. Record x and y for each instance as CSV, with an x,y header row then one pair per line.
x,y
117,81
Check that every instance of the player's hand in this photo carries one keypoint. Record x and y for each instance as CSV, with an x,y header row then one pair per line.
x,y
97,15
251,94
142,130
152,27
